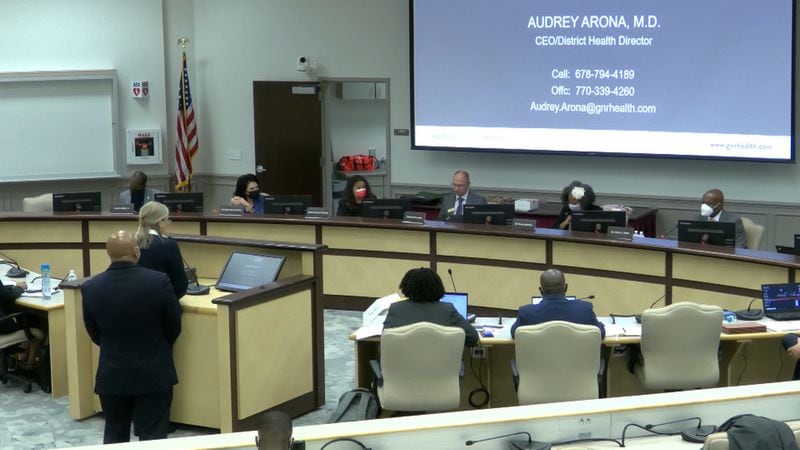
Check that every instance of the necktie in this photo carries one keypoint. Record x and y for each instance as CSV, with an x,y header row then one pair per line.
x,y
460,207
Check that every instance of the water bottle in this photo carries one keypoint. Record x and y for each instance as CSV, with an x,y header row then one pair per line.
x,y
46,289
71,276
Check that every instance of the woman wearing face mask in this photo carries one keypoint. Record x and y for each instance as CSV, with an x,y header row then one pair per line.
x,y
354,194
248,195
575,197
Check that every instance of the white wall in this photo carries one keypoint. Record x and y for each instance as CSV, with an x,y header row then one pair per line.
x,y
47,35
354,126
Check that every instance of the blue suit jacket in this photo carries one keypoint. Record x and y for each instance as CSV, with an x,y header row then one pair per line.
x,y
133,315
557,308
164,256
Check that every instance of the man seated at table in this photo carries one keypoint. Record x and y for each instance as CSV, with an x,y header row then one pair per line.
x,y
139,193
555,306
452,207
712,209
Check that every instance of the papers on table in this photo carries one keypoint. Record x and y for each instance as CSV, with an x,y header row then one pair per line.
x,y
616,329
369,331
783,326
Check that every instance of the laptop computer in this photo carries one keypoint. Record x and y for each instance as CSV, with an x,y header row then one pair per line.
x,y
781,301
535,300
247,270
459,300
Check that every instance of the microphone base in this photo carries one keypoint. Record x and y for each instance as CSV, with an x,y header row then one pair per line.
x,y
749,314
697,434
197,290
533,445
16,272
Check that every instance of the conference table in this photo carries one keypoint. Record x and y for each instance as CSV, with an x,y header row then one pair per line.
x,y
355,260
746,358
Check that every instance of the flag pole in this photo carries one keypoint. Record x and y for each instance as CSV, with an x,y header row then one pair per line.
x,y
184,150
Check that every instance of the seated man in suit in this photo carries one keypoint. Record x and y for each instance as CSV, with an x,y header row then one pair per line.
x,y
712,209
555,306
452,206
139,193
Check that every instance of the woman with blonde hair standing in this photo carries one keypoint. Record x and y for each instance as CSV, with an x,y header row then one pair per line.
x,y
159,252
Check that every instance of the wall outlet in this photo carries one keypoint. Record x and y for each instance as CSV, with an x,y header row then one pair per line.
x,y
234,155
584,427
478,352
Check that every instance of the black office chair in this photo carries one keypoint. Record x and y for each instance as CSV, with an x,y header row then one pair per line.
x,y
14,331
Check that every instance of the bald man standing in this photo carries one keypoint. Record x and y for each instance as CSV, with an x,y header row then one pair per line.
x,y
713,210
133,315
555,306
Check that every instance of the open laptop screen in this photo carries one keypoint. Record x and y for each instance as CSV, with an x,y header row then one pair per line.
x,y
246,270
781,297
459,301
536,300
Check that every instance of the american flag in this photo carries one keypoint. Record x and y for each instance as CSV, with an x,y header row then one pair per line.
x,y
187,145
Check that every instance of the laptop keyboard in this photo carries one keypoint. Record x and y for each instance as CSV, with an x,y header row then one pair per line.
x,y
792,315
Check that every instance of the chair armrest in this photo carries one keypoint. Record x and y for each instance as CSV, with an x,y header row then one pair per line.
x,y
20,320
376,370
515,374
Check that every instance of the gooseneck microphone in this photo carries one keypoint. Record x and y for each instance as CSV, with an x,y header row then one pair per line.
x,y
588,297
452,281
530,444
15,271
750,314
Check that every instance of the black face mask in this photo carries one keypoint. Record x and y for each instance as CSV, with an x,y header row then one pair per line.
x,y
253,194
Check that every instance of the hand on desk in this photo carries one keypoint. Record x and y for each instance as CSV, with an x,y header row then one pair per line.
x,y
794,351
22,285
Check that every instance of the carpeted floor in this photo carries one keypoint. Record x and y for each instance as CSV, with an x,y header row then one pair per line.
x,y
37,421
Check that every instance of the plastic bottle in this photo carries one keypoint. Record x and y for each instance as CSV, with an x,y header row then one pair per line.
x,y
46,289
71,276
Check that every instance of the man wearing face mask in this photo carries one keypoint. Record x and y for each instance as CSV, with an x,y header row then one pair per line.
x,y
452,207
353,196
139,193
712,209
576,196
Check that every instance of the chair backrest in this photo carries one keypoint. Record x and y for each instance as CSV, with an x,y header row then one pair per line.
x,y
421,364
754,233
679,346
557,361
41,203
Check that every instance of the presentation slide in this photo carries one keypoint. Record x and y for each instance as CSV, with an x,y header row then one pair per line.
x,y
673,78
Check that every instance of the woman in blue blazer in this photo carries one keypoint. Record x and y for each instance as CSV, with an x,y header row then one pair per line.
x,y
159,252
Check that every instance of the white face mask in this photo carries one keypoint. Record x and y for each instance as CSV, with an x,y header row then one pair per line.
x,y
574,207
706,211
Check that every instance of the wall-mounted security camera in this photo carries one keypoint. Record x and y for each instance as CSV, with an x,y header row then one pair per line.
x,y
302,64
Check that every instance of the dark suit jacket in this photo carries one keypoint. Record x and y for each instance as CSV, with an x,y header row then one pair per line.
x,y
449,202
7,296
557,308
133,315
441,313
725,216
164,256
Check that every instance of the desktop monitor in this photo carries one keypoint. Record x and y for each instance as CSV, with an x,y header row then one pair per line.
x,y
459,300
705,232
494,214
287,204
247,270
597,221
797,242
181,202
388,208
76,202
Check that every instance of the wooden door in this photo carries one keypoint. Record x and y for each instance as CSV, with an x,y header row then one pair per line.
x,y
288,137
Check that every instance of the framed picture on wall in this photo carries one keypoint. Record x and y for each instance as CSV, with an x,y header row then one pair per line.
x,y
144,146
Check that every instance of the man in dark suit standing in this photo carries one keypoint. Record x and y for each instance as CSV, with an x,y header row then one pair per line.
x,y
452,206
712,209
555,306
133,315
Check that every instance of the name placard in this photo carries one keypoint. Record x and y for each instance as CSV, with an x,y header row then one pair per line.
x,y
414,218
317,212
231,210
122,208
524,225
621,233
